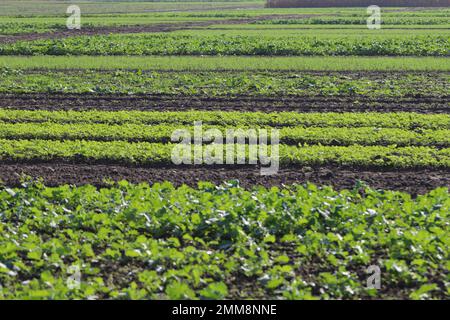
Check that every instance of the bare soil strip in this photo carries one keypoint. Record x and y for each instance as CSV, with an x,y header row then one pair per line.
x,y
53,174
162,27
239,103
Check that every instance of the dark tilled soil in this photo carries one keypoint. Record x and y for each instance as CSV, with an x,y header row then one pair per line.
x,y
162,27
53,174
240,103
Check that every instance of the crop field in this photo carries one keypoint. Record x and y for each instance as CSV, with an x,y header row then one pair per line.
x,y
223,150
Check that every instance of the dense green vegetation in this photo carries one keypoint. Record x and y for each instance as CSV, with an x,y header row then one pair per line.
x,y
224,44
288,135
136,241
224,83
204,63
402,120
359,139
145,153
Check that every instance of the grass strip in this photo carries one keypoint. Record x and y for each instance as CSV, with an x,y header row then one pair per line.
x,y
361,20
196,63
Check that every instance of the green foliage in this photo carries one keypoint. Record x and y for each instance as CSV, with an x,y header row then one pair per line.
x,y
223,44
155,153
361,20
225,83
400,120
229,63
214,242
288,135
221,242
400,140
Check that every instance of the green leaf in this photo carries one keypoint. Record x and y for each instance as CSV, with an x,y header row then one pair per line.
x,y
422,292
217,290
179,291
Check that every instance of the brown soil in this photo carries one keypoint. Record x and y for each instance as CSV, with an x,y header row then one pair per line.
x,y
413,181
240,103
162,27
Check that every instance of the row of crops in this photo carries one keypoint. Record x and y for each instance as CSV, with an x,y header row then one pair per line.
x,y
217,83
145,153
360,20
366,136
426,45
401,120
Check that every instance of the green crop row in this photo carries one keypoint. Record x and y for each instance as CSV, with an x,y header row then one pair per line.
x,y
145,153
348,33
226,83
288,135
347,30
222,44
161,242
11,28
359,20
441,12
402,120
229,63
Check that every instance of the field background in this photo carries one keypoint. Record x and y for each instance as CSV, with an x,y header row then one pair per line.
x,y
87,179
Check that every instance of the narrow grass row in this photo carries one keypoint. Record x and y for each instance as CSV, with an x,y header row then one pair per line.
x,y
204,63
401,120
361,20
288,135
143,153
